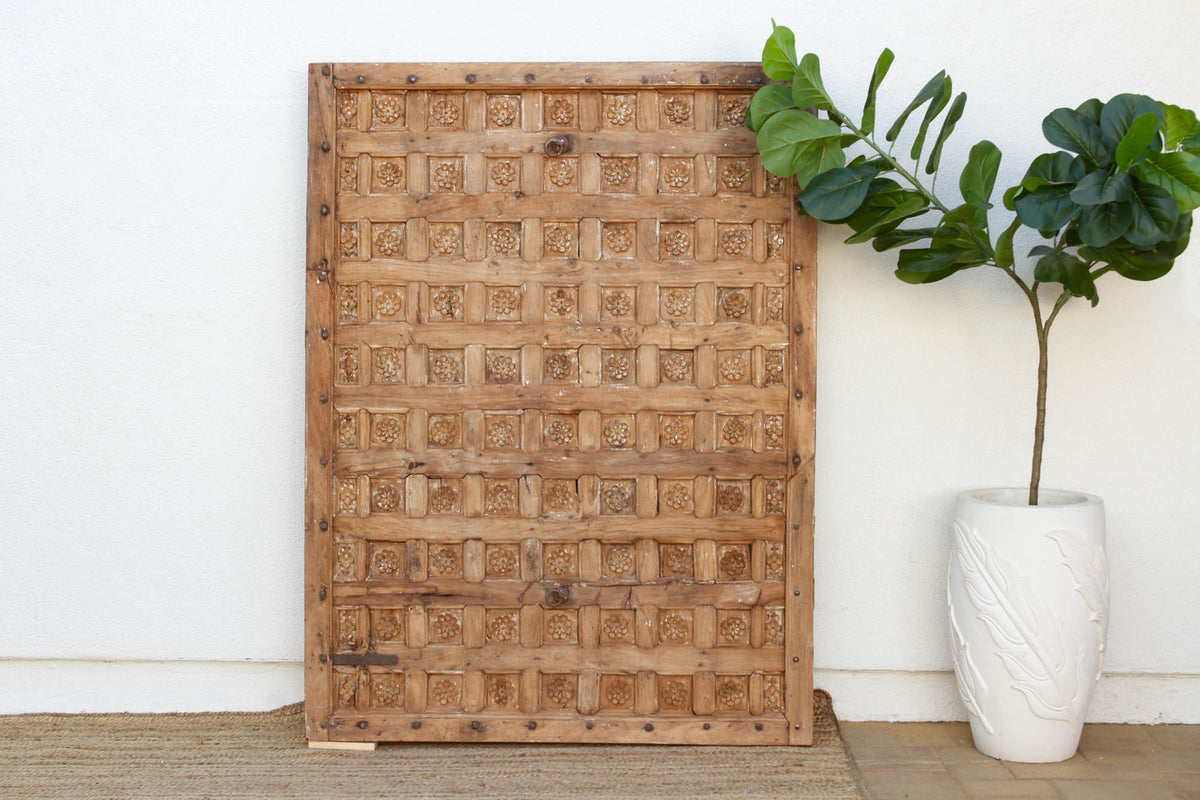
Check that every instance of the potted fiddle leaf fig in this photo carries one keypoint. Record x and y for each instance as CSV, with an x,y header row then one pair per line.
x,y
1028,576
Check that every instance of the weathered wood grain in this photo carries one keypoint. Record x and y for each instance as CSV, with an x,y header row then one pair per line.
x,y
318,434
560,410
628,75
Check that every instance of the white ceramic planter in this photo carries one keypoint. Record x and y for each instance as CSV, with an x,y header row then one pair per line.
x,y
1028,597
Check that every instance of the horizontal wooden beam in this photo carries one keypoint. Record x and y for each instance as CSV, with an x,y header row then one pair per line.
x,y
514,593
673,660
616,399
563,464
507,206
568,334
518,75
605,528
768,729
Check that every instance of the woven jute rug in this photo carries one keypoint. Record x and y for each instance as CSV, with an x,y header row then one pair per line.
x,y
251,756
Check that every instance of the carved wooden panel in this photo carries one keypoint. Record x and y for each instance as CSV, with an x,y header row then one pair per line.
x,y
560,409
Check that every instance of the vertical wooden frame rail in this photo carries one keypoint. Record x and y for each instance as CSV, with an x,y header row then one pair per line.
x,y
560,409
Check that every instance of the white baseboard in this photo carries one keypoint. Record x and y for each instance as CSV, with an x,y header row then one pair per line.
x,y
31,686
65,686
898,696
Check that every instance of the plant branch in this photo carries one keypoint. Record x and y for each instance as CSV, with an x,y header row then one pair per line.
x,y
1058,306
896,166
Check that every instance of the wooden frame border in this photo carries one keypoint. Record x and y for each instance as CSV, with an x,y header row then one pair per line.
x,y
324,78
318,430
801,449
579,75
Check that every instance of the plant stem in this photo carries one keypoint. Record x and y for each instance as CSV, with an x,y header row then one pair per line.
x,y
1030,291
1039,426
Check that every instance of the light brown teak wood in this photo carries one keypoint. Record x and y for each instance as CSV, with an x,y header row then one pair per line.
x,y
560,409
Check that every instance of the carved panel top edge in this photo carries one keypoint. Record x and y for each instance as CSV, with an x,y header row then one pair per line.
x,y
580,75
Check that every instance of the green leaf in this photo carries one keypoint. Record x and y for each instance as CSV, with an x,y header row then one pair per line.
x,y
1102,186
1180,124
1048,208
1076,132
1053,168
769,99
952,117
979,175
837,193
807,88
881,70
1091,109
900,237
883,194
1178,173
884,213
909,276
1155,213
1004,245
929,259
779,53
927,91
1178,240
1120,113
792,141
1010,197
939,101
1137,140
1138,265
963,222
1099,225
1069,270
818,157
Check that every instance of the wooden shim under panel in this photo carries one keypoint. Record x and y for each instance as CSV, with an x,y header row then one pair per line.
x,y
559,443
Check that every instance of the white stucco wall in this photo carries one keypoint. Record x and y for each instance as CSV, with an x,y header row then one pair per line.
x,y
152,175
